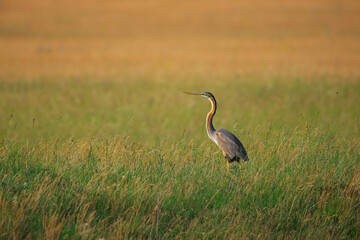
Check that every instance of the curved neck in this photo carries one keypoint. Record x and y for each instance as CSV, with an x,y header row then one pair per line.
x,y
209,125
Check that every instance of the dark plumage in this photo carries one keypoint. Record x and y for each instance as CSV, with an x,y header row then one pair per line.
x,y
231,146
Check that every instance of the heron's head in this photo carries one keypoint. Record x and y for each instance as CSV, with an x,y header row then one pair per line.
x,y
202,94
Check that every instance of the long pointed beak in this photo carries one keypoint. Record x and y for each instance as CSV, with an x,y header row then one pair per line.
x,y
193,93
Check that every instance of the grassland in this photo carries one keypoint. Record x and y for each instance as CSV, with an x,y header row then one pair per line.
x,y
97,140
114,160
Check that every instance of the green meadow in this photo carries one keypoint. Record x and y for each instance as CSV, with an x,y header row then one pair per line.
x,y
128,157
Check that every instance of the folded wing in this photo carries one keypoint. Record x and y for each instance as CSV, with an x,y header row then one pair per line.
x,y
230,145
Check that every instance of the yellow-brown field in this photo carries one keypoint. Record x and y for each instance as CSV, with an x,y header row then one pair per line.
x,y
232,37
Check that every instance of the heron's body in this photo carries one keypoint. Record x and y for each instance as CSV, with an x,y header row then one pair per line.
x,y
230,145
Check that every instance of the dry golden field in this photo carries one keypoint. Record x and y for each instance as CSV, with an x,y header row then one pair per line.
x,y
40,38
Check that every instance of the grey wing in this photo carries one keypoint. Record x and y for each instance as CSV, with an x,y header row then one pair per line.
x,y
230,145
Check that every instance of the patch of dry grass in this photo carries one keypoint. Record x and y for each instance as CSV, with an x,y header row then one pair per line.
x,y
97,38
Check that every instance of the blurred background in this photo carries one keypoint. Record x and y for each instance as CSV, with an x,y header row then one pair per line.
x,y
48,37
73,68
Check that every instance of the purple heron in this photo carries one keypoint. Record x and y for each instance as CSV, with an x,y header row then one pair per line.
x,y
230,145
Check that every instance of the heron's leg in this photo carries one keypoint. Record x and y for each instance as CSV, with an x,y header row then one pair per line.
x,y
227,161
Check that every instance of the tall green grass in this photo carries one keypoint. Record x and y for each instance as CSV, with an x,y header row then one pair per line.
x,y
130,159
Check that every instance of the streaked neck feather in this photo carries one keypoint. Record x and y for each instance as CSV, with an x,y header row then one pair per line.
x,y
209,125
